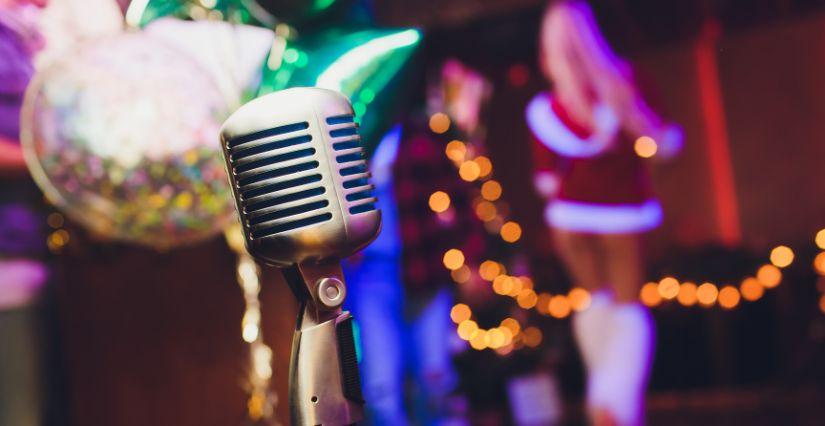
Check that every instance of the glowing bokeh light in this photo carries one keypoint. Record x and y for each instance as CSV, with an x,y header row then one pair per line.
x,y
469,171
668,288
460,313
466,329
439,201
751,289
486,211
461,275
453,259
649,294
579,299
532,337
491,190
820,239
456,150
485,166
511,232
707,293
782,256
729,297
479,340
645,147
512,325
819,263
687,294
489,270
439,123
559,307
769,276
527,299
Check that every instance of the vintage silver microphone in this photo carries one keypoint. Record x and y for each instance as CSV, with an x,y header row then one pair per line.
x,y
301,185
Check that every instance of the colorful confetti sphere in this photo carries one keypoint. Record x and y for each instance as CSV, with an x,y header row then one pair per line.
x,y
122,135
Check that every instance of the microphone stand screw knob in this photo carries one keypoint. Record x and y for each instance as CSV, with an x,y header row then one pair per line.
x,y
331,292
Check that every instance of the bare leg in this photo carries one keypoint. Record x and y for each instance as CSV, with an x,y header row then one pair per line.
x,y
617,382
623,262
580,254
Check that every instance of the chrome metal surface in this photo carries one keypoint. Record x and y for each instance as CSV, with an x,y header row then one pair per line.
x,y
297,170
331,292
299,176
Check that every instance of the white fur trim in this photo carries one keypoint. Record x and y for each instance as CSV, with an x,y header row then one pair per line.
x,y
555,135
603,218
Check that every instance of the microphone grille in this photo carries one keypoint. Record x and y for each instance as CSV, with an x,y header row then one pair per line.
x,y
351,164
299,176
278,181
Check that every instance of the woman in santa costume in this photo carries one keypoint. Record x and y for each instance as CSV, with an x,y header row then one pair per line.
x,y
600,202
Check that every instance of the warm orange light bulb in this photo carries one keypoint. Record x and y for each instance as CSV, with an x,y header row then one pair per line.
x,y
751,289
439,122
650,294
469,171
511,232
668,288
579,299
687,294
439,201
707,294
782,256
645,147
491,190
770,276
453,259
729,297
460,313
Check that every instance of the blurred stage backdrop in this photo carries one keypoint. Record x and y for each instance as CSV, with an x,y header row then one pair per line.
x,y
161,333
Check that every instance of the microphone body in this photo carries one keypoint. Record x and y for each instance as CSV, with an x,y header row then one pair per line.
x,y
297,169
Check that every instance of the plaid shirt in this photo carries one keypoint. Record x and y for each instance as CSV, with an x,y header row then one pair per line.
x,y
421,169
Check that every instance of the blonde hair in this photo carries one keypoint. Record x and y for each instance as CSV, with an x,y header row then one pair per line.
x,y
584,70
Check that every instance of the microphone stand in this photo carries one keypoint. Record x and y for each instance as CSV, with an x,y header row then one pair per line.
x,y
324,385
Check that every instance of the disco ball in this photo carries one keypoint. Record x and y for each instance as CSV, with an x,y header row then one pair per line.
x,y
122,135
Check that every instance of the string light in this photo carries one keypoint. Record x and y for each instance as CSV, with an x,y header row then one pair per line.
x,y
649,294
668,288
769,276
687,294
645,147
781,256
511,232
461,275
460,313
485,166
439,201
527,299
559,307
486,211
819,263
467,329
707,293
751,289
579,299
489,270
728,297
439,123
491,190
456,150
469,171
532,337
453,259
820,239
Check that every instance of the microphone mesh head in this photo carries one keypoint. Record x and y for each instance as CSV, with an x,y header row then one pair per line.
x,y
300,179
